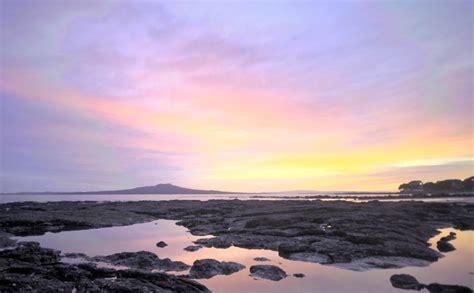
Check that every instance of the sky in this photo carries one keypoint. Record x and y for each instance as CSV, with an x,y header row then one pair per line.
x,y
235,95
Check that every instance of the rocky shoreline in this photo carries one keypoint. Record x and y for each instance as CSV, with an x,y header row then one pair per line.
x,y
372,235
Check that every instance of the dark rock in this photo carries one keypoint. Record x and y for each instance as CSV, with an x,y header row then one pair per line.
x,y
193,247
440,288
161,244
143,260
217,242
451,236
268,272
5,240
261,259
299,275
444,246
316,231
31,252
406,282
30,268
207,268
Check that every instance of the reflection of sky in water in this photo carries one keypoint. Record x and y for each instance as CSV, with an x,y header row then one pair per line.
x,y
4,198
454,268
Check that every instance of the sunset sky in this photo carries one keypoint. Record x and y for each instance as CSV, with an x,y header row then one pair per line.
x,y
235,95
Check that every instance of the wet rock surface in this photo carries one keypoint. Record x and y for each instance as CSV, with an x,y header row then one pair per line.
x,y
5,240
192,248
316,231
440,288
208,268
30,268
268,272
408,282
443,244
142,260
261,259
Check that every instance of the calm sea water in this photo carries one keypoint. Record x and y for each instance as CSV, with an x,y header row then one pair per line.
x,y
4,198
455,267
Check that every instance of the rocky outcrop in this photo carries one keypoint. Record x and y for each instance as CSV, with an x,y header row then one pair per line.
x,y
31,268
375,234
142,260
192,248
440,288
208,268
408,282
443,244
268,272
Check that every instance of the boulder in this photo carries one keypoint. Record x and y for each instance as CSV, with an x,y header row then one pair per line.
x,y
208,268
268,272
444,246
406,282
440,288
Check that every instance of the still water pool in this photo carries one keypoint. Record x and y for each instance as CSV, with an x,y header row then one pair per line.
x,y
456,267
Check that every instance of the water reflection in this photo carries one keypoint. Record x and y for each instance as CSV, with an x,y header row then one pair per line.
x,y
454,268
6,198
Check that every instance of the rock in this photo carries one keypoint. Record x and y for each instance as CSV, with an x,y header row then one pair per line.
x,y
77,255
317,231
31,268
5,240
299,275
444,246
207,268
142,260
440,288
31,252
261,259
161,244
451,236
268,272
217,242
193,247
406,282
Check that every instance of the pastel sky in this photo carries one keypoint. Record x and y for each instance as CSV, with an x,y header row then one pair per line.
x,y
235,95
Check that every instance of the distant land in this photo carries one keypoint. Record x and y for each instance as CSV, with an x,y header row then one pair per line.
x,y
155,189
448,185
412,187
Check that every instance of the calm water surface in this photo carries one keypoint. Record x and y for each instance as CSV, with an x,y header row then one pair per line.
x,y
4,198
456,267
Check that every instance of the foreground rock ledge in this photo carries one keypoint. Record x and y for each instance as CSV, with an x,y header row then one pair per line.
x,y
371,235
30,268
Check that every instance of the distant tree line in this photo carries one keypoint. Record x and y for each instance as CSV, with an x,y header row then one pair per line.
x,y
450,185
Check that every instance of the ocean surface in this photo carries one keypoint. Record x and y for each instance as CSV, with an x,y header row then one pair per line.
x,y
4,198
456,267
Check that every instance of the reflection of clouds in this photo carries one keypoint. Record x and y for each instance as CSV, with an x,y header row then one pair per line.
x,y
451,269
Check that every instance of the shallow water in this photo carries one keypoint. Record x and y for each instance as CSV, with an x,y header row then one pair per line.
x,y
456,267
5,198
